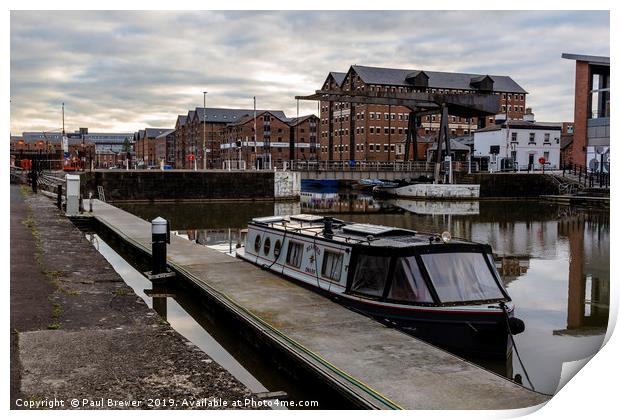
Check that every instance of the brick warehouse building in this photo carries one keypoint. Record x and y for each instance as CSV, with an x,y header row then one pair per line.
x,y
208,126
590,144
145,146
374,132
277,139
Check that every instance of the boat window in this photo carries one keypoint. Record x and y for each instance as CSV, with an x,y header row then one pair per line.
x,y
267,246
295,251
370,275
257,242
276,248
332,265
408,283
460,277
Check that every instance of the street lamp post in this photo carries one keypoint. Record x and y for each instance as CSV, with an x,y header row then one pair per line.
x,y
204,131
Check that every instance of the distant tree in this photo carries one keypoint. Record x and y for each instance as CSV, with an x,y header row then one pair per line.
x,y
126,145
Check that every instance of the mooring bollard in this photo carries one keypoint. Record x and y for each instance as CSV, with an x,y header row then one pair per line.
x,y
159,233
59,197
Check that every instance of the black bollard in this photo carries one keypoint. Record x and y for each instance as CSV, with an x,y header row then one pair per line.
x,y
34,175
327,227
59,197
159,233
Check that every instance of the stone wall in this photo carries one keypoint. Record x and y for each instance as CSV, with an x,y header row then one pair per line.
x,y
180,185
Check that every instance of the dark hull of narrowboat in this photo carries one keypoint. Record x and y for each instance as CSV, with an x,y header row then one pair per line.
x,y
464,333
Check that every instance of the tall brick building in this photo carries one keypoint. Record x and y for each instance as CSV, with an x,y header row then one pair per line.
x,y
590,145
208,127
376,132
277,139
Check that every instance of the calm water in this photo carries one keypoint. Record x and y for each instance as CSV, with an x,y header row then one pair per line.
x,y
554,260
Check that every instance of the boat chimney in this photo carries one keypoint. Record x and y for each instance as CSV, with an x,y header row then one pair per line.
x,y
327,227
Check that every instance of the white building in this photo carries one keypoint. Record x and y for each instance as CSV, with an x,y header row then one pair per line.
x,y
524,142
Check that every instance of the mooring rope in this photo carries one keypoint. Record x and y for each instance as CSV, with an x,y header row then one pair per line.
x,y
514,344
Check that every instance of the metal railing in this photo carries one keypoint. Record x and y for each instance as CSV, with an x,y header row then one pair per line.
x,y
585,176
50,181
345,166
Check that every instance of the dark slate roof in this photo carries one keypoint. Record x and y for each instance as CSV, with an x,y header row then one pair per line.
x,y
182,119
338,77
436,79
466,140
230,115
454,145
521,124
165,133
592,59
154,132
294,121
249,117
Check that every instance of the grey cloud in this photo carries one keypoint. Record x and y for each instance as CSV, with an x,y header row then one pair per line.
x,y
120,70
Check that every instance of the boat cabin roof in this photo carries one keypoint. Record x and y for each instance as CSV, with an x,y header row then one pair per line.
x,y
351,232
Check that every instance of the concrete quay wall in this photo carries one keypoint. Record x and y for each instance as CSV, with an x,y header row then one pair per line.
x,y
153,185
512,185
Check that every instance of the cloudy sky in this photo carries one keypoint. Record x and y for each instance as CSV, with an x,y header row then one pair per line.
x,y
123,71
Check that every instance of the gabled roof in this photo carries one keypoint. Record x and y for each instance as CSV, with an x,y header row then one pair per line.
x,y
295,121
249,117
478,79
338,77
231,115
181,119
436,79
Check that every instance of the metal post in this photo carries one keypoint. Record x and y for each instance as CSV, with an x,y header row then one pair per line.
x,y
440,137
204,132
159,235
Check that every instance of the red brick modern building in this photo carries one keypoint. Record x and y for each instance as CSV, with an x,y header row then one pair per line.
x,y
374,132
590,145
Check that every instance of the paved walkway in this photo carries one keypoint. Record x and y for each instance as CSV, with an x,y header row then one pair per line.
x,y
78,331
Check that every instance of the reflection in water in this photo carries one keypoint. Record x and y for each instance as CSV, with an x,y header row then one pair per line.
x,y
554,260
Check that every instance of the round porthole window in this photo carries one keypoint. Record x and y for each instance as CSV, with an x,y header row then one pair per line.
x,y
276,248
257,243
267,246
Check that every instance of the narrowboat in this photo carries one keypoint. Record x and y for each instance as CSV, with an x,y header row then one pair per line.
x,y
443,290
